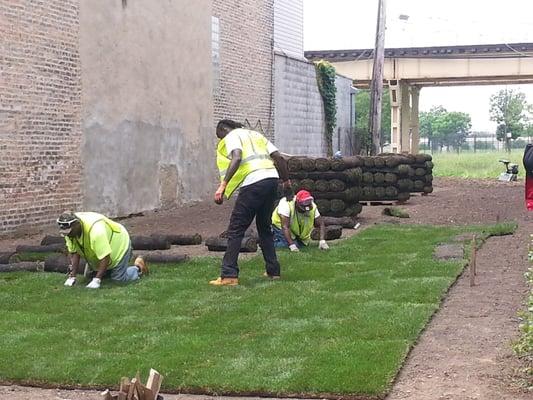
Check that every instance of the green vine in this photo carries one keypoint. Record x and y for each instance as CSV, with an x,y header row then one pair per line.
x,y
325,75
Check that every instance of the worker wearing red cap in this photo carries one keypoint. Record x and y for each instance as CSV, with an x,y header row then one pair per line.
x,y
294,220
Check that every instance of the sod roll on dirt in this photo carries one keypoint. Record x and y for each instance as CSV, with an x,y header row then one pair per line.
x,y
61,263
215,243
150,243
179,239
332,232
49,248
22,266
5,256
159,257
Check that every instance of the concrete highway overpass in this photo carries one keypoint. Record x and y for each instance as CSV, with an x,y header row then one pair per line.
x,y
407,70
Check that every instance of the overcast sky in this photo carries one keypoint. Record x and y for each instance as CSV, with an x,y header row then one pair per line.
x,y
351,24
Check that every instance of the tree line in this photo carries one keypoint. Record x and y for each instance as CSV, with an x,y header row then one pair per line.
x,y
450,129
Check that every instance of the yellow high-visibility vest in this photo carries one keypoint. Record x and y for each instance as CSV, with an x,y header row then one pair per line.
x,y
301,225
254,157
100,237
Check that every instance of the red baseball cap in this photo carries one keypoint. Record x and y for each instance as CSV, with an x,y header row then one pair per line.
x,y
303,197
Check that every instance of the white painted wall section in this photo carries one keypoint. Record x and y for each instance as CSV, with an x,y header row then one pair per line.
x,y
288,28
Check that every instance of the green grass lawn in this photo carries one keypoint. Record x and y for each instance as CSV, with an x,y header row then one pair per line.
x,y
475,165
339,322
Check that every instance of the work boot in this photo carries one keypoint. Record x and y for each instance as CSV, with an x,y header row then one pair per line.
x,y
225,282
139,263
273,277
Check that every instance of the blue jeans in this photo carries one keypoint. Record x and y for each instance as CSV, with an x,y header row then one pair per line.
x,y
280,241
124,273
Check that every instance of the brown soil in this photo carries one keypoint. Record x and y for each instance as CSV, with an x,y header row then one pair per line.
x,y
464,352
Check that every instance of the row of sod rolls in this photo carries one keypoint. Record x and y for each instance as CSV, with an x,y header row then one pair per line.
x,y
338,185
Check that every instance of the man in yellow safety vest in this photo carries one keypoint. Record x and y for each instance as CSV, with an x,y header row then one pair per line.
x,y
248,161
104,244
294,220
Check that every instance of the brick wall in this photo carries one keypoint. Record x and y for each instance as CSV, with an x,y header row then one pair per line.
x,y
40,96
246,72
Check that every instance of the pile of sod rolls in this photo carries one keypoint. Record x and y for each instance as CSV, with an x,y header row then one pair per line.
x,y
339,185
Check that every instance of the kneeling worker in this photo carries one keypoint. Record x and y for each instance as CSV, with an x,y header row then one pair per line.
x,y
294,220
103,243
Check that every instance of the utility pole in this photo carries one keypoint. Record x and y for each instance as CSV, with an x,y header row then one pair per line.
x,y
376,93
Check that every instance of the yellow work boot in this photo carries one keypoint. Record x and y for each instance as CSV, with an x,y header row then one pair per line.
x,y
225,282
139,263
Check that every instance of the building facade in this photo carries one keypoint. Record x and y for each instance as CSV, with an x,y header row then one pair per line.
x,y
110,105
299,109
40,112
244,75
104,106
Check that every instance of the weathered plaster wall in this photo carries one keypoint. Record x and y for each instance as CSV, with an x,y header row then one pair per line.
x,y
147,104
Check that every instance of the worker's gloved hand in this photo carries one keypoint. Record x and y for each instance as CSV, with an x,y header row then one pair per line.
x,y
293,247
71,280
95,283
322,245
219,194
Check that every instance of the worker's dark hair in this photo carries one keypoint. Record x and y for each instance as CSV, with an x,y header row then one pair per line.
x,y
229,123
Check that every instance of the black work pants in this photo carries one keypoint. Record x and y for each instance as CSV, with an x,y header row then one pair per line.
x,y
255,200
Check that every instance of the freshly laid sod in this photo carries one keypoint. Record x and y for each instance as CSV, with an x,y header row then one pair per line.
x,y
339,322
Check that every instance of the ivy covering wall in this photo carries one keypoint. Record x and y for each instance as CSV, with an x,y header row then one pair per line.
x,y
325,73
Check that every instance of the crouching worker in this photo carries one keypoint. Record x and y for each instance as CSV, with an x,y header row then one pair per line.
x,y
294,220
104,244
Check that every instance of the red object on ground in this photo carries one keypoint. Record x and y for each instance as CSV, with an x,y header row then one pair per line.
x,y
529,193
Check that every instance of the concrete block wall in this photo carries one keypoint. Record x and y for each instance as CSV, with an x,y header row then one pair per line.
x,y
246,29
299,127
40,112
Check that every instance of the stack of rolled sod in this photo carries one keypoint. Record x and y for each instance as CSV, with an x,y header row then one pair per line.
x,y
339,185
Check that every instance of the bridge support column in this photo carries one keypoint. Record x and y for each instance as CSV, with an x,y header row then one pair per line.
x,y
415,127
395,116
405,118
405,132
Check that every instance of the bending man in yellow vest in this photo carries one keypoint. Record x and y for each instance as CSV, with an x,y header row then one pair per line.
x,y
248,161
104,244
293,221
